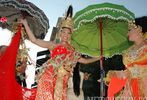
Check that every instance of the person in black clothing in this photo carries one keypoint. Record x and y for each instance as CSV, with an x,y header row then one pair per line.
x,y
91,85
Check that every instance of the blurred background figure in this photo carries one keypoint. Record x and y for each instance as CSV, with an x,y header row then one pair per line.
x,y
2,50
91,81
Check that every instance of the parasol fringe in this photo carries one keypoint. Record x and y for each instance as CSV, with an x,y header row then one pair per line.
x,y
101,16
104,9
106,56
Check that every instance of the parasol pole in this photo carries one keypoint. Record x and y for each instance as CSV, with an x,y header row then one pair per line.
x,y
101,60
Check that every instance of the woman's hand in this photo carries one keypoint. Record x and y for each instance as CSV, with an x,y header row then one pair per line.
x,y
22,21
86,76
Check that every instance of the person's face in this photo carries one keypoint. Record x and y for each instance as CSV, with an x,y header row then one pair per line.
x,y
65,34
133,34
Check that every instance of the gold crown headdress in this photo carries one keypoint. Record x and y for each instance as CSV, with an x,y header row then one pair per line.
x,y
145,36
67,20
132,25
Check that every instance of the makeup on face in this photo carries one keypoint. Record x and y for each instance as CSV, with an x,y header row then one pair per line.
x,y
134,33
65,34
67,29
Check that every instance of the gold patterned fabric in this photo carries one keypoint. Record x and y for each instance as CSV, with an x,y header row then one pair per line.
x,y
135,61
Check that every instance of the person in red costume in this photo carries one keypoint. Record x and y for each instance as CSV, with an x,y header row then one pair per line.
x,y
52,84
131,83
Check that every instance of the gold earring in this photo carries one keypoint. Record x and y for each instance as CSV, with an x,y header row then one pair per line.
x,y
145,36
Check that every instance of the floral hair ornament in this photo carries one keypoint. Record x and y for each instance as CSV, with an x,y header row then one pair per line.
x,y
67,21
132,25
3,19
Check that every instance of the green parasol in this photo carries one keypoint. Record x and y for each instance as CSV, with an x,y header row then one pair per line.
x,y
114,19
101,30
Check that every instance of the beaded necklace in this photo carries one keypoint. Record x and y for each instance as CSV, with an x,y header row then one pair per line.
x,y
135,51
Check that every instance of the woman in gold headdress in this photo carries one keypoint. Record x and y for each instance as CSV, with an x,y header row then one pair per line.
x,y
131,83
52,84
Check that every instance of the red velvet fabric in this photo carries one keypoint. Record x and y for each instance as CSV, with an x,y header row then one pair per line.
x,y
9,88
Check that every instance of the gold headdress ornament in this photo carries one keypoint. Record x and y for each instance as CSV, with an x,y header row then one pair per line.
x,y
132,25
67,20
145,35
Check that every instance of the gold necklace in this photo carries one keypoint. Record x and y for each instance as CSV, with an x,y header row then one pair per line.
x,y
136,47
134,52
